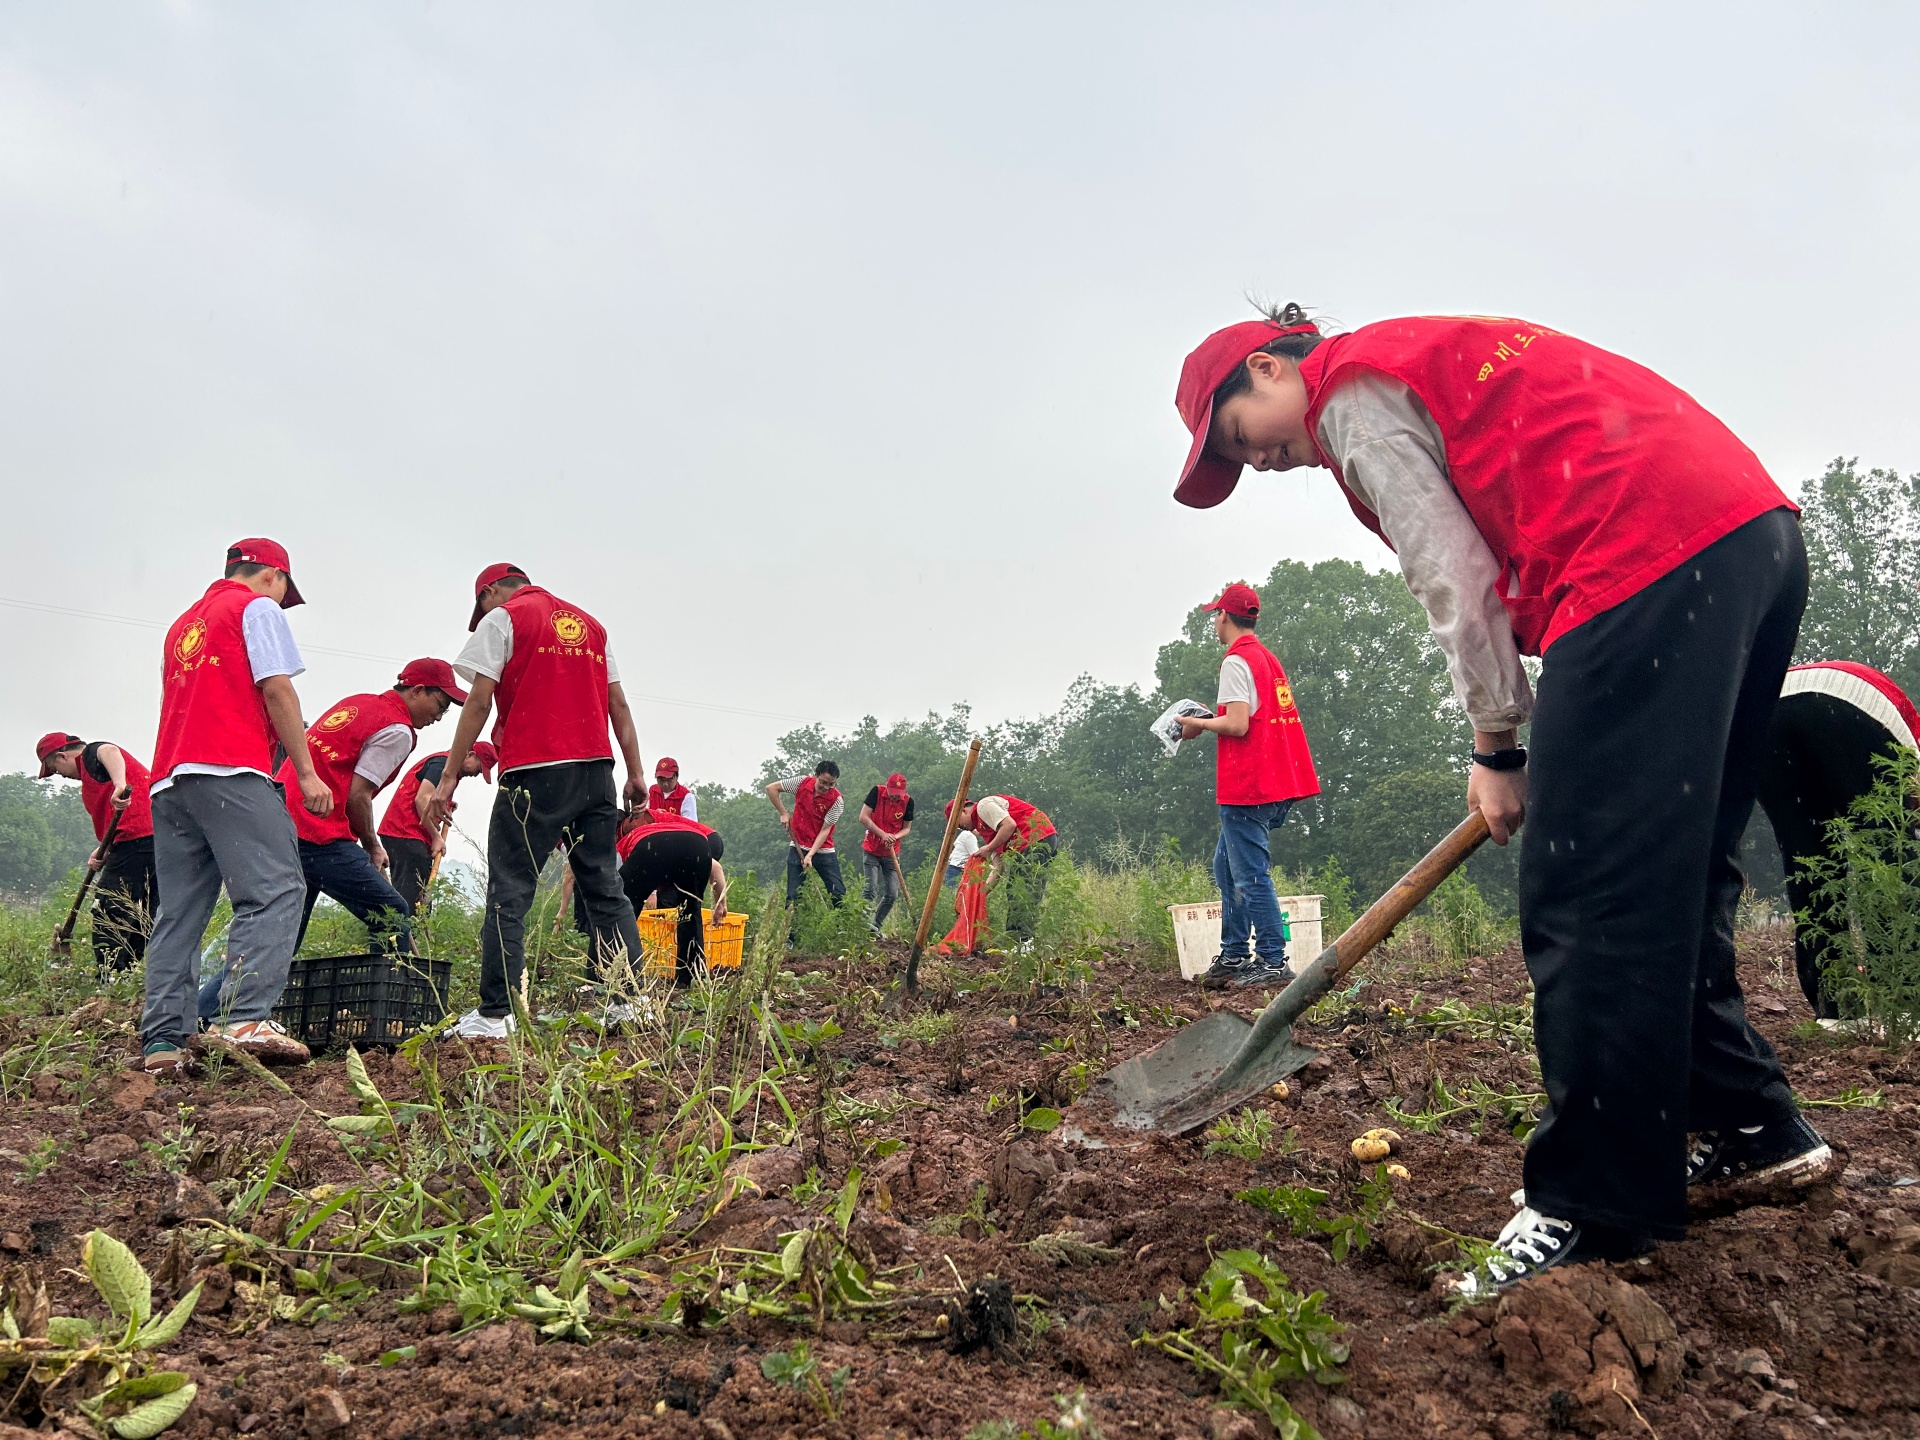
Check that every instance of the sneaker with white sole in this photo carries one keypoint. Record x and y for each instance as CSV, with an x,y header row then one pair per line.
x,y
266,1040
475,1026
166,1061
1533,1243
1774,1164
1226,971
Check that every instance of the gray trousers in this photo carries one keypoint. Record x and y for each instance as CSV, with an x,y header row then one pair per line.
x,y
209,830
883,883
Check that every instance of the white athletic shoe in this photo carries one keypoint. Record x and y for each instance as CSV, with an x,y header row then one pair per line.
x,y
475,1026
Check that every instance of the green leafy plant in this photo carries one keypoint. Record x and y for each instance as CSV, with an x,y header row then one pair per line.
x,y
797,1369
127,1399
1514,1109
1246,1134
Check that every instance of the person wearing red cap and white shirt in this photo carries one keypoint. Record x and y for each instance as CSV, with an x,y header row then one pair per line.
x,y
1546,497
1262,766
817,808
545,663
887,817
1835,719
112,782
1022,832
412,846
219,818
667,793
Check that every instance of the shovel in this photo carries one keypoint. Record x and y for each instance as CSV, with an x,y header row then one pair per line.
x,y
63,937
1225,1061
908,986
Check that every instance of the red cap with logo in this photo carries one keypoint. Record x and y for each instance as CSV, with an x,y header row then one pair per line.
x,y
51,744
1207,479
897,783
1237,599
667,766
437,673
488,757
487,577
258,551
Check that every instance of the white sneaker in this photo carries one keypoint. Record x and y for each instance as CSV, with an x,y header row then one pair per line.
x,y
475,1026
619,1012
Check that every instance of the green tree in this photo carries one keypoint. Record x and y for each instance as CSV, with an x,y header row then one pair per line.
x,y
1863,553
44,833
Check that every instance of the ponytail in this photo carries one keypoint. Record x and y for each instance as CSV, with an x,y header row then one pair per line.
x,y
1299,336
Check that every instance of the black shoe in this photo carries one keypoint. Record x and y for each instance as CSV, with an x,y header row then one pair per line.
x,y
1226,971
1533,1243
1267,974
1760,1165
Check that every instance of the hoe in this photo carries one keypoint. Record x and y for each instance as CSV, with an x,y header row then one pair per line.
x,y
1224,1061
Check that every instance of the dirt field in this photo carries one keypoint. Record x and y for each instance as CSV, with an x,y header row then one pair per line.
x,y
1780,1323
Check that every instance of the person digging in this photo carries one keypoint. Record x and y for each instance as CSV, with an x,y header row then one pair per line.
x,y
415,849
545,663
886,815
1262,766
1548,498
112,782
219,818
817,808
1017,846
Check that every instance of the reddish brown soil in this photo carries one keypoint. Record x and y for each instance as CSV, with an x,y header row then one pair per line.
x,y
1785,1322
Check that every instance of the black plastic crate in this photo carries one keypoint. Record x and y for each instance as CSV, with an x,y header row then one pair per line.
x,y
332,1001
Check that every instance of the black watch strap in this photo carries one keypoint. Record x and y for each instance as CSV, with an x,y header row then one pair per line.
x,y
1514,759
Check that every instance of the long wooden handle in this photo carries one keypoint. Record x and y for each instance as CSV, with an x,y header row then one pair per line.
x,y
65,933
1413,887
940,867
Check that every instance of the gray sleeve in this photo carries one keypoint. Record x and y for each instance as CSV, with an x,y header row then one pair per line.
x,y
1392,457
790,785
835,811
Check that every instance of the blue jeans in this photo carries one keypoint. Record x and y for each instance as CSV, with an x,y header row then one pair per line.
x,y
1241,870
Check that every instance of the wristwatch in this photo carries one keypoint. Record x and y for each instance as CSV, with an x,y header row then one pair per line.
x,y
1514,759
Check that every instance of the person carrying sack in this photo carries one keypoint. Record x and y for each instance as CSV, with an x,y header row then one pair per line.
x,y
1020,832
1262,766
112,781
886,816
1546,497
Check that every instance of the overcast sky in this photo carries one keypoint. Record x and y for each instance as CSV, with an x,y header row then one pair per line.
x,y
826,353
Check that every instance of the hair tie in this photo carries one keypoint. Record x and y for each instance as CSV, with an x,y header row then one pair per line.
x,y
1307,328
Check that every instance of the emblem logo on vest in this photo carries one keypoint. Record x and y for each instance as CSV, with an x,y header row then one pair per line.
x,y
569,628
345,715
1283,695
191,642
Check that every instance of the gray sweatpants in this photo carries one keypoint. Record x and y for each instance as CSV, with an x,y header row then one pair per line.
x,y
209,830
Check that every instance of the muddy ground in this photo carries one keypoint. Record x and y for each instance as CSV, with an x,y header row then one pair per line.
x,y
1788,1323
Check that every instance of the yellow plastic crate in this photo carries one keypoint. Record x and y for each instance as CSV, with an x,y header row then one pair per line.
x,y
726,941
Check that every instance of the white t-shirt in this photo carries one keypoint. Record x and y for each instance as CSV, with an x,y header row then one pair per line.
x,y
270,652
490,647
994,810
384,753
963,847
1236,683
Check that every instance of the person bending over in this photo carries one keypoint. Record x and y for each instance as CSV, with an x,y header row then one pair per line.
x,y
668,861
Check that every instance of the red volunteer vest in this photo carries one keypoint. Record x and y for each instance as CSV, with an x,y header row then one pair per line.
x,y
335,741
1030,823
1823,676
658,799
1589,476
889,814
810,806
211,712
97,796
658,822
1271,761
402,820
552,696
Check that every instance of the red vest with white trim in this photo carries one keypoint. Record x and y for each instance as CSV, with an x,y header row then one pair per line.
x,y
211,712
1589,476
810,807
97,795
402,820
1030,823
1271,761
552,695
335,741
1864,688
658,799
890,814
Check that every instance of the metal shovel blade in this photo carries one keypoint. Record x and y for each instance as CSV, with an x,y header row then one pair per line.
x,y
1179,1078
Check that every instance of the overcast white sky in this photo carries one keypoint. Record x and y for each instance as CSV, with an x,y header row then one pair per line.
x,y
826,353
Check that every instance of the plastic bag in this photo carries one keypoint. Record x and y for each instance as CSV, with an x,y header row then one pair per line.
x,y
1167,727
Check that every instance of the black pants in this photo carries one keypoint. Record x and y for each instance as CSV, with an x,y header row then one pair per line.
x,y
1647,743
343,871
1026,882
530,813
826,865
1820,755
127,897
674,866
409,863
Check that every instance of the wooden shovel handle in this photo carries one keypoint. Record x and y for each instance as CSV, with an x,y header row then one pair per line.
x,y
910,983
1413,887
65,933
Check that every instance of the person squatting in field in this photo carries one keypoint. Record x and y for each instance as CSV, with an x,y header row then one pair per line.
x,y
112,782
1546,497
1262,766
546,665
667,862
413,846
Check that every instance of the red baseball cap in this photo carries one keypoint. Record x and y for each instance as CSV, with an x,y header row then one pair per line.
x,y
437,673
51,744
666,765
258,551
1237,599
487,577
1207,479
487,756
896,781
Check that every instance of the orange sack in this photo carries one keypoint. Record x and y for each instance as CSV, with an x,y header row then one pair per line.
x,y
970,911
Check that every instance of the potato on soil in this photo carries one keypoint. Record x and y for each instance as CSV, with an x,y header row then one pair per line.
x,y
1375,1145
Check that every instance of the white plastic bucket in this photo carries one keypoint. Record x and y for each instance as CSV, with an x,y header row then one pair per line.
x,y
1196,932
